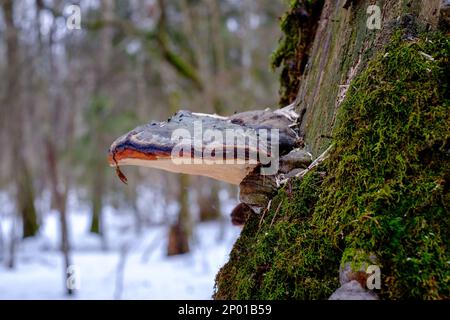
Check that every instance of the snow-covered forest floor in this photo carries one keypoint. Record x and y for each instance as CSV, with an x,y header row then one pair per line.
x,y
148,273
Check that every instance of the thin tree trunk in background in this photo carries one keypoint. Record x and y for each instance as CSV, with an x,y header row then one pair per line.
x,y
97,221
207,197
218,52
57,139
13,120
120,270
217,100
39,8
97,189
2,244
96,213
180,232
61,201
246,57
97,202
98,182
25,197
12,245
59,181
208,202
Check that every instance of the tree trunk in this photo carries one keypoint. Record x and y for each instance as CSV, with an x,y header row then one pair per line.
x,y
180,232
58,179
98,181
20,169
97,202
295,248
12,245
339,50
208,202
25,200
2,244
60,196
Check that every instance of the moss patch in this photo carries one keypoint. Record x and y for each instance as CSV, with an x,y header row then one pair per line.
x,y
277,256
385,192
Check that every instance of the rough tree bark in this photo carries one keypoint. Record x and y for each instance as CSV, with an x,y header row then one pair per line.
x,y
295,249
342,46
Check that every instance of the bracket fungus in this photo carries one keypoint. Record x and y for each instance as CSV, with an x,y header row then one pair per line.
x,y
251,149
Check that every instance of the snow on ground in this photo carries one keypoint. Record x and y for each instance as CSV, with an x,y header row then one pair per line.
x,y
148,273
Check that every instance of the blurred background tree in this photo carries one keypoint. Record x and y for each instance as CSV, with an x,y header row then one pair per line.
x,y
67,94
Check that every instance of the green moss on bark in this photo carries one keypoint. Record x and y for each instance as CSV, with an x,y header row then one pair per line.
x,y
277,256
385,192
